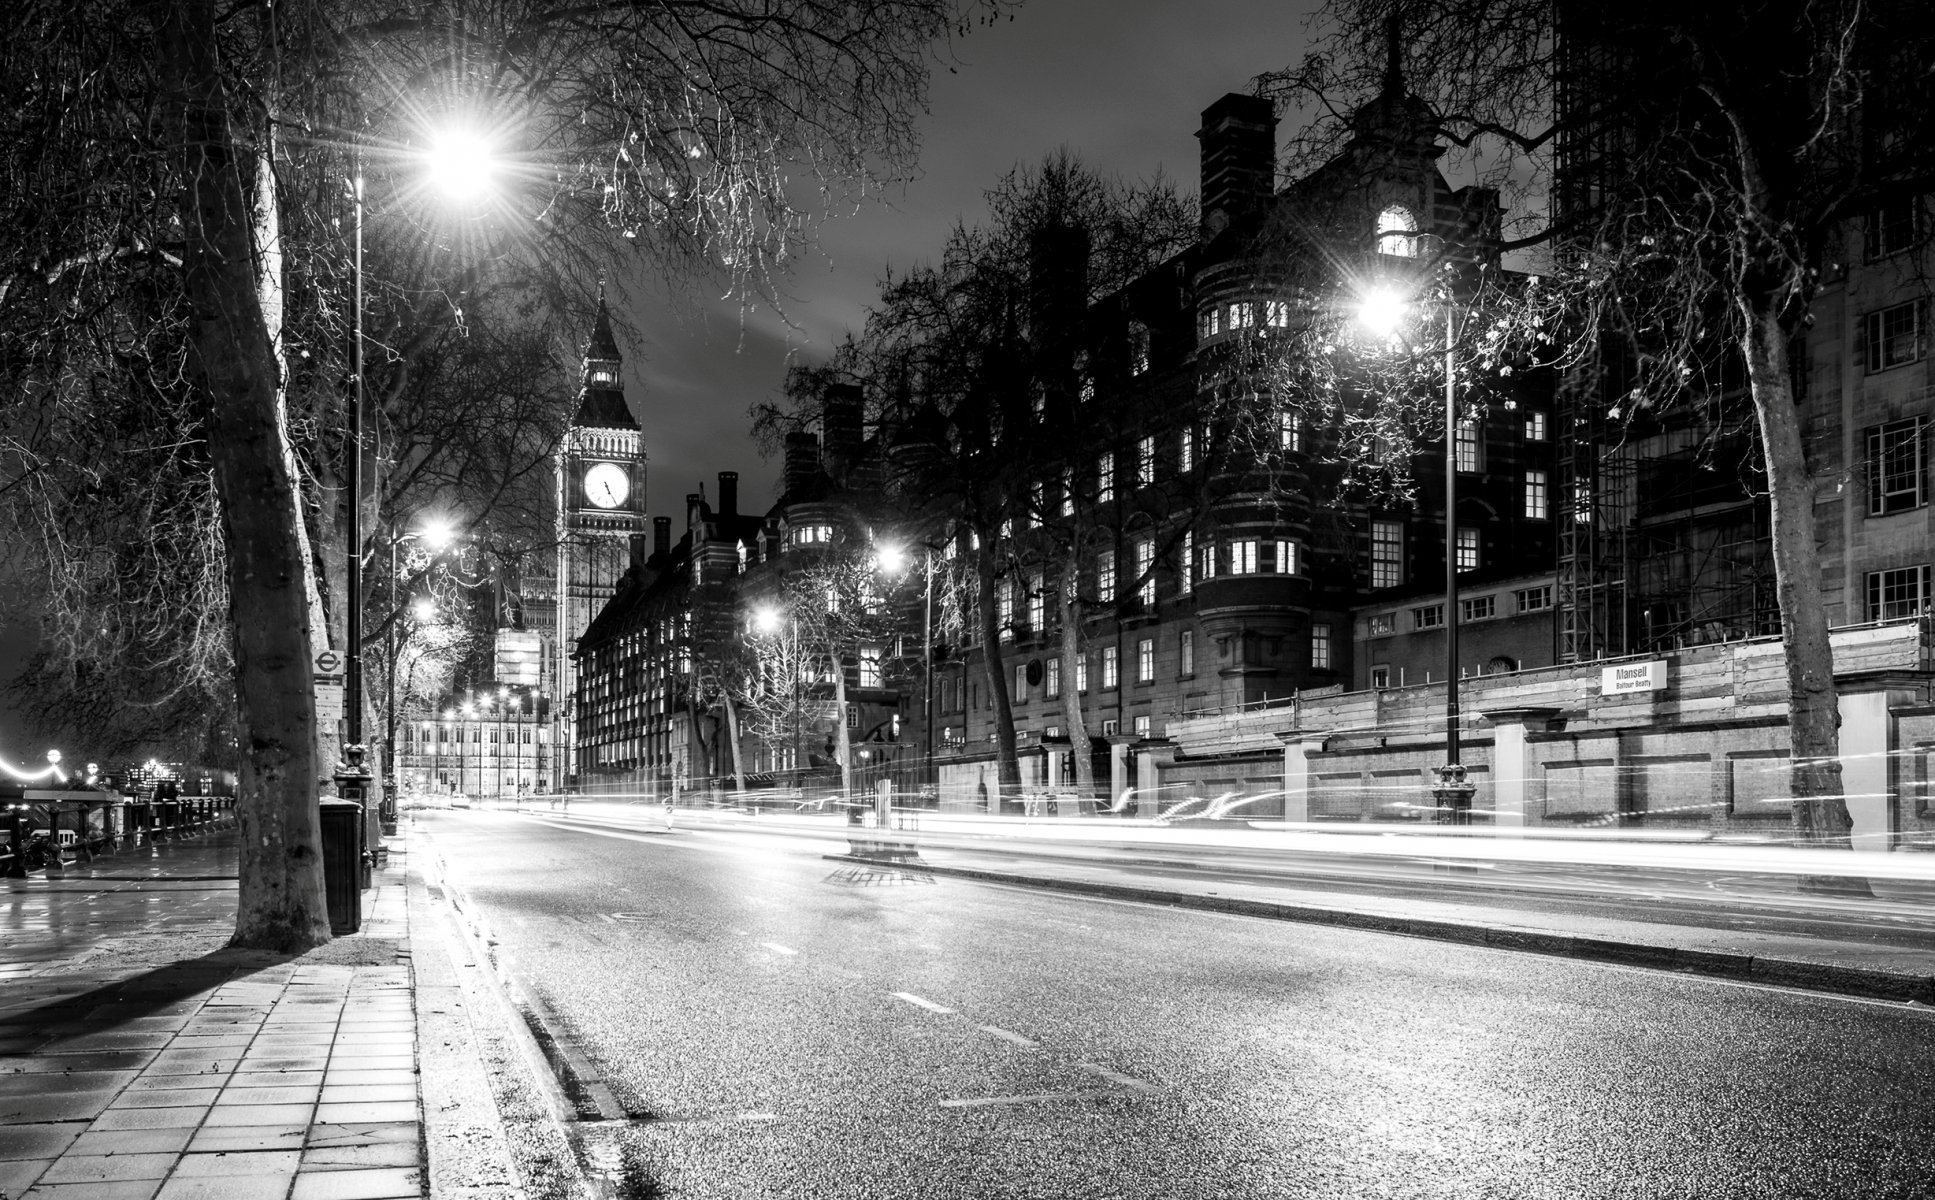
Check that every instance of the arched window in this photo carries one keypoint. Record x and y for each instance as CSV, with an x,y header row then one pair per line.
x,y
1397,232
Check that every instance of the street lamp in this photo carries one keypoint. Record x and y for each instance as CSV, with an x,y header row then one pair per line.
x,y
435,534
767,621
894,559
453,156
1382,312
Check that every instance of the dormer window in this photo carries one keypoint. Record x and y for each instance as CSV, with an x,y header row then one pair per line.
x,y
1397,232
603,375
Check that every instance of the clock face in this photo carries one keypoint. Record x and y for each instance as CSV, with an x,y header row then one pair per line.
x,y
607,485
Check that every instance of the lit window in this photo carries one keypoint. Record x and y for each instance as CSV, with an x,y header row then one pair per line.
x,y
1899,593
1145,660
1320,646
1242,315
1243,556
1382,624
1380,677
1004,609
1536,502
1105,478
807,535
1276,314
1186,458
1468,446
1186,653
1111,727
1111,668
1145,461
870,667
1037,603
1138,347
1289,431
1142,726
1286,557
1477,608
1387,553
1021,682
1105,576
1533,599
1429,617
1894,336
1081,675
1206,562
1068,493
742,558
1145,571
1535,426
1052,677
1467,549
1213,321
1397,232
1897,467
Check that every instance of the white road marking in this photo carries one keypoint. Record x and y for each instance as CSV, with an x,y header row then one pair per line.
x,y
1037,1098
1007,1035
776,948
917,1002
1128,1081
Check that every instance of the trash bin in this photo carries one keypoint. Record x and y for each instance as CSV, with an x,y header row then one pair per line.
x,y
342,846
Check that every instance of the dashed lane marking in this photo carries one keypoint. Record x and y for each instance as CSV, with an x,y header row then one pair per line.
x,y
1127,1081
1037,1098
776,948
917,1002
1007,1035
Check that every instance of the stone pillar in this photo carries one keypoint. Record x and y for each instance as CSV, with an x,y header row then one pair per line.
x,y
1512,764
1298,746
1145,806
1151,756
1867,748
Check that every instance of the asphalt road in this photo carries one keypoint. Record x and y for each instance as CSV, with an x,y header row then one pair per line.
x,y
752,1020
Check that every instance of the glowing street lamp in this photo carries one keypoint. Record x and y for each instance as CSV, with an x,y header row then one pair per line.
x,y
1383,313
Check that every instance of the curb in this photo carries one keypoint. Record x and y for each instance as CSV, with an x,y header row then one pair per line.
x,y
1864,982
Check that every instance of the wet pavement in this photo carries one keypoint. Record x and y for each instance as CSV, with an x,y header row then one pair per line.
x,y
140,1059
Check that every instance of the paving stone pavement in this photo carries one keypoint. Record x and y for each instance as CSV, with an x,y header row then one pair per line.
x,y
140,1059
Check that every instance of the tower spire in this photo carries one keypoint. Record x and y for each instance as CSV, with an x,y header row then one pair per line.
x,y
1393,62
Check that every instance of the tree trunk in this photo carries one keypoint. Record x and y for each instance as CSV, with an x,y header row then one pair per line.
x,y
738,756
1814,711
1007,760
280,904
842,746
1071,652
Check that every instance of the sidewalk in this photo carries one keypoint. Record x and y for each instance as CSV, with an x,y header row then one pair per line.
x,y
141,1060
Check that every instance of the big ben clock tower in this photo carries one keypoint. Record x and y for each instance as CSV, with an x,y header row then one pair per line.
x,y
601,508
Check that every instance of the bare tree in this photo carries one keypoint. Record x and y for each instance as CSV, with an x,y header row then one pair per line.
x,y
162,141
1719,153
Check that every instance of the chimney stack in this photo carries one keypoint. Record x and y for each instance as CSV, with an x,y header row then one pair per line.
x,y
840,415
1239,157
728,494
802,466
661,536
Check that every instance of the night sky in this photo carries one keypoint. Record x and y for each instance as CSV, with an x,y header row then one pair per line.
x,y
1121,83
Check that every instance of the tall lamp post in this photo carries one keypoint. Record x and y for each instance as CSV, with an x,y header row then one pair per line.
x,y
1382,312
894,559
462,165
767,621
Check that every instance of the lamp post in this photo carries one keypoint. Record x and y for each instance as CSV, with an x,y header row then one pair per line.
x,y
894,559
767,621
437,536
1381,312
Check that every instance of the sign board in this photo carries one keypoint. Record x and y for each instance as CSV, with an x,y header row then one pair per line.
x,y
1633,677
328,666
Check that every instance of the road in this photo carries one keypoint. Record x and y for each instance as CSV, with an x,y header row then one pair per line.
x,y
752,1020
